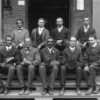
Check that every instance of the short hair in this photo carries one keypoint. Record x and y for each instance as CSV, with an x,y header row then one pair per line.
x,y
42,19
8,36
27,39
59,18
19,20
93,35
73,37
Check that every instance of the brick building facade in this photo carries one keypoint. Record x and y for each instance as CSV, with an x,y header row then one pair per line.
x,y
31,10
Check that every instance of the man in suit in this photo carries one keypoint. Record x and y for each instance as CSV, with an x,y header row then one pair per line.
x,y
9,56
72,60
40,35
60,34
29,59
49,63
83,33
19,34
92,65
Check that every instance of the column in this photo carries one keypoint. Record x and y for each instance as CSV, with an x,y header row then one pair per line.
x,y
0,20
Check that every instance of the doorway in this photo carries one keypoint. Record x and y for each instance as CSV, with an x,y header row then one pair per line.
x,y
49,10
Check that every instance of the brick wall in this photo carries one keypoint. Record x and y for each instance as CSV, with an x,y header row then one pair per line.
x,y
77,16
20,12
9,19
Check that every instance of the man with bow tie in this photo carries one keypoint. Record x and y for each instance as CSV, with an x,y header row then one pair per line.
x,y
72,60
9,56
19,34
83,33
49,63
29,59
92,64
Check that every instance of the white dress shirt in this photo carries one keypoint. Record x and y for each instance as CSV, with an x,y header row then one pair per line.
x,y
72,48
86,28
60,28
40,30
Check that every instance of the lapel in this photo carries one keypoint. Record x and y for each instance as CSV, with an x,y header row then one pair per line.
x,y
43,33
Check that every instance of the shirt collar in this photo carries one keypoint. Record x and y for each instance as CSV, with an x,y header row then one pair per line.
x,y
86,27
9,47
20,28
94,45
40,28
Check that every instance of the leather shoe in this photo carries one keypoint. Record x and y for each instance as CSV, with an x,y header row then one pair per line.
x,y
50,91
22,92
43,91
6,91
96,90
28,91
62,91
78,91
90,90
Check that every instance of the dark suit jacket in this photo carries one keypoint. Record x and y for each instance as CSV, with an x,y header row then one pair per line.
x,y
63,35
93,55
32,56
82,36
4,54
47,57
45,36
72,59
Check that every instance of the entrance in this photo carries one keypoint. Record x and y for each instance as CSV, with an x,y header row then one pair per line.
x,y
49,10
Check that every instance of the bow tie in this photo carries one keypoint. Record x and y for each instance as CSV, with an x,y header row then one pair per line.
x,y
28,49
19,29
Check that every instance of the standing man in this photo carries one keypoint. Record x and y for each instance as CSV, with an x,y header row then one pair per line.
x,y
20,34
83,34
30,58
60,34
40,35
9,56
92,65
49,62
72,60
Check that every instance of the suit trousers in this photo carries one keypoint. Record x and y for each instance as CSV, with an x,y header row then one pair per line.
x,y
63,71
31,71
11,70
91,75
53,73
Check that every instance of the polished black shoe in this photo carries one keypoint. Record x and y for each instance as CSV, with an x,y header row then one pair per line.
x,y
51,91
62,91
27,92
1,89
96,91
22,92
78,91
43,91
90,90
6,91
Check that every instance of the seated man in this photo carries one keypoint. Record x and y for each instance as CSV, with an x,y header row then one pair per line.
x,y
8,57
72,59
49,62
92,64
30,58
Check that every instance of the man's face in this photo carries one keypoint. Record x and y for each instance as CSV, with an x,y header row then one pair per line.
x,y
92,41
59,22
27,43
50,43
19,24
41,23
72,41
8,41
86,21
